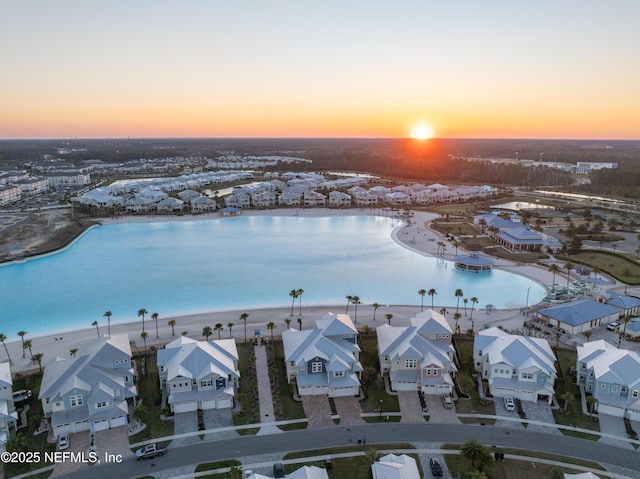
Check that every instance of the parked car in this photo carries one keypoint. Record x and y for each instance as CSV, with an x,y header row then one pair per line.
x,y
149,451
278,470
447,402
436,468
612,326
509,403
63,442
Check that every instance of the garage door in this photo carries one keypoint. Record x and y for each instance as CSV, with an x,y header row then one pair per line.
x,y
118,421
611,410
209,404
224,402
185,406
101,425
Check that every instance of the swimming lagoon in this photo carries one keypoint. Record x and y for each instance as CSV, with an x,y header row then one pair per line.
x,y
235,264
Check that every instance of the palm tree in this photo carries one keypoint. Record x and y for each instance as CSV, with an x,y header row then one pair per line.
x,y
300,323
476,453
422,292
372,455
230,325
140,413
108,315
349,300
587,334
244,317
38,359
172,323
144,336
294,294
627,274
456,317
474,300
432,292
591,403
3,338
287,321
625,320
455,244
356,301
389,316
22,334
95,323
300,292
271,326
184,333
206,332
568,266
154,316
73,352
27,345
464,300
554,268
142,312
375,307
458,295
218,327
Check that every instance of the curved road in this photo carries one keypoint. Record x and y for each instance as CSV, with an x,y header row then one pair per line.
x,y
375,433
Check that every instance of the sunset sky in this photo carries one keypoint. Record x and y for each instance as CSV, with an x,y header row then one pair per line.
x,y
298,68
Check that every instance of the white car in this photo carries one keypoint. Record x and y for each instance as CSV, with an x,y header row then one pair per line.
x,y
63,442
612,326
446,401
509,403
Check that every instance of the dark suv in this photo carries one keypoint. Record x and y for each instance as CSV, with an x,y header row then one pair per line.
x,y
436,468
278,470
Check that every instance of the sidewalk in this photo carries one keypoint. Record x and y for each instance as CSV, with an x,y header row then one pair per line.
x,y
264,391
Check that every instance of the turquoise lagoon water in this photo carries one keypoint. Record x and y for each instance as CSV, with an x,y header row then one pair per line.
x,y
175,268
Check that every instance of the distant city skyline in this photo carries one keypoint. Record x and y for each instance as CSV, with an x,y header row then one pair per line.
x,y
374,69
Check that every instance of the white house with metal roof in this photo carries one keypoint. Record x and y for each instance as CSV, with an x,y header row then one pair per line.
x,y
309,472
8,414
90,390
579,315
612,376
513,365
199,374
419,356
324,360
393,466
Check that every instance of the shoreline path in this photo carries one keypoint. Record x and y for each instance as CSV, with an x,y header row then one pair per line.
x,y
416,237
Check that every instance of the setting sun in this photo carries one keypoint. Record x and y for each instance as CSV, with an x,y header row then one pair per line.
x,y
422,131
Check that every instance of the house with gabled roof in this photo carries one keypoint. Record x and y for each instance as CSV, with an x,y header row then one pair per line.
x,y
519,366
612,376
394,466
199,374
309,472
418,357
628,305
324,360
91,390
8,414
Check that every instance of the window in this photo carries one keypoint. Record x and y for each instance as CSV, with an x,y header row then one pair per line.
x,y
101,404
338,374
206,383
603,386
75,400
635,393
316,367
411,363
526,375
614,388
292,364
385,357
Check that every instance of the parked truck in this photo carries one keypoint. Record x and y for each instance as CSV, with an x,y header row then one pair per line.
x,y
149,451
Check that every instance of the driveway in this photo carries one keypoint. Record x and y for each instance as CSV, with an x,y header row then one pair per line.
x,y
317,410
349,409
410,407
438,413
217,418
540,412
185,422
613,425
502,412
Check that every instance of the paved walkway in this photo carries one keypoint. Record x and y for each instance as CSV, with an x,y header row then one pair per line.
x,y
264,390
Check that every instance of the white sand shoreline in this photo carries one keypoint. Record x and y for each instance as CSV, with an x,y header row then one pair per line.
x,y
415,237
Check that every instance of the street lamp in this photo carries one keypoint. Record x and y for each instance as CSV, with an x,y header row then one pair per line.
x,y
526,306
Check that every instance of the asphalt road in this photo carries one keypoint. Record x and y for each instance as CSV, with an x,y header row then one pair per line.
x,y
375,433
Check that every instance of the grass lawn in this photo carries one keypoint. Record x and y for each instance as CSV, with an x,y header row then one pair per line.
x,y
149,392
284,405
474,405
376,394
248,394
458,228
613,264
565,383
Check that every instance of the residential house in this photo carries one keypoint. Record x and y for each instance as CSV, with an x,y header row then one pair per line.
x,y
199,374
309,472
579,315
91,390
324,360
393,466
418,357
513,365
202,204
612,376
313,198
338,198
170,205
8,414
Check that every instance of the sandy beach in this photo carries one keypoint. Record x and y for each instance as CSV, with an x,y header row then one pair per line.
x,y
417,237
